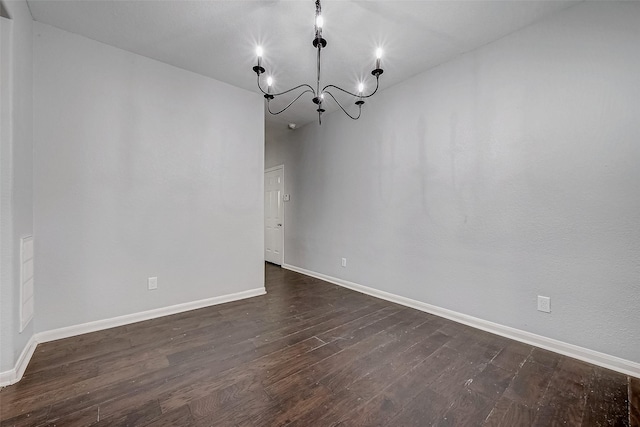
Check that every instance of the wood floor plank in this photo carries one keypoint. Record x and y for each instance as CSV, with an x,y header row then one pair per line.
x,y
634,402
351,331
566,410
545,357
177,418
457,376
309,353
358,367
69,351
469,408
386,405
319,327
381,375
294,395
491,381
130,415
519,415
19,398
607,400
426,408
248,375
352,350
247,407
530,383
84,416
29,417
376,412
512,357
572,378
287,335
327,412
498,412
357,333
60,376
507,413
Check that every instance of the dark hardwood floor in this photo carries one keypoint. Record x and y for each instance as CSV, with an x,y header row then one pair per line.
x,y
311,354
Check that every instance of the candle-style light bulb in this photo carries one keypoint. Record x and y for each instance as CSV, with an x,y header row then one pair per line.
x,y
269,84
319,24
360,102
258,68
378,57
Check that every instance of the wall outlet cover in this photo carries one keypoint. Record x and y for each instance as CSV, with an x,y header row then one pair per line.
x,y
152,283
544,304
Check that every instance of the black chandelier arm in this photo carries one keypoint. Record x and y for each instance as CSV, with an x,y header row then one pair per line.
x,y
341,107
353,94
286,91
288,105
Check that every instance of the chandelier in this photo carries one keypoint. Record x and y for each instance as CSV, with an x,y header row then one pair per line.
x,y
318,95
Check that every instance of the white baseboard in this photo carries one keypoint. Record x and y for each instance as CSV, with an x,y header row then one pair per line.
x,y
99,325
614,363
14,375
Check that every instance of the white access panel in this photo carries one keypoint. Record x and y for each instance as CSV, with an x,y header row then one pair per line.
x,y
26,281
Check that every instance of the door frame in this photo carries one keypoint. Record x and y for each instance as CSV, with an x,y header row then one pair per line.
x,y
271,169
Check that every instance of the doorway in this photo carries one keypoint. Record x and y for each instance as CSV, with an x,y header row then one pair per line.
x,y
274,215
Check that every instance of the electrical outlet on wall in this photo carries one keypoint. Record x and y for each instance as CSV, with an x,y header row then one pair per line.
x,y
344,262
544,304
152,283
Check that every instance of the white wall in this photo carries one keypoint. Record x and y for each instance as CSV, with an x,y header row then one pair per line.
x,y
141,169
16,164
507,173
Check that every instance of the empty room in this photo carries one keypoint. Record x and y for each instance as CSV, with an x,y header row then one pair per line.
x,y
319,213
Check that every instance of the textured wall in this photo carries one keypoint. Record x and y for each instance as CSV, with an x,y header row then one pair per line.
x,y
141,169
17,184
507,173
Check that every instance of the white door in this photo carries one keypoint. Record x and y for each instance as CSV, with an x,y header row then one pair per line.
x,y
274,215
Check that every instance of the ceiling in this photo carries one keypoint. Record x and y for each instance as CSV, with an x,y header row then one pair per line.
x,y
218,38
